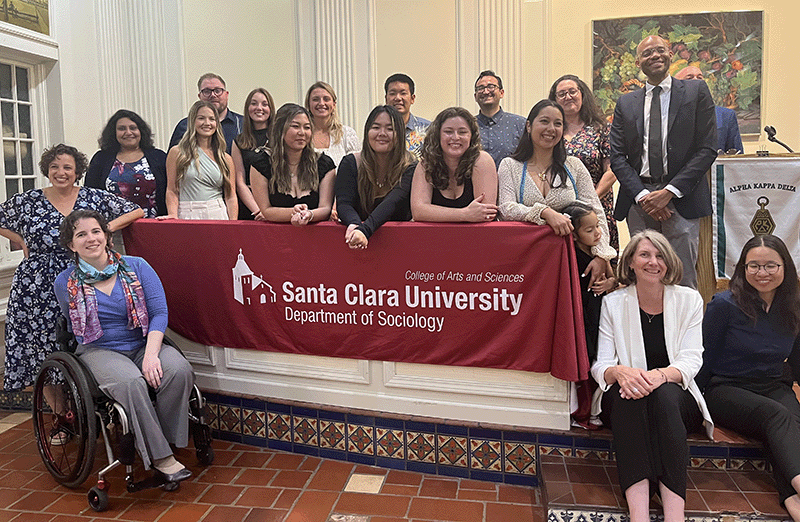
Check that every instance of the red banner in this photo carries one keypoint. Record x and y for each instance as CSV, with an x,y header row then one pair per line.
x,y
493,295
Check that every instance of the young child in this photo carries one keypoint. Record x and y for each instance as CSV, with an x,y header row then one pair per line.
x,y
586,234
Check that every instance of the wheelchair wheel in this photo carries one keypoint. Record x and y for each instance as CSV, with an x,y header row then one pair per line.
x,y
98,499
66,433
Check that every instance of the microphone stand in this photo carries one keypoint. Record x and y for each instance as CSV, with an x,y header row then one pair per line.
x,y
771,137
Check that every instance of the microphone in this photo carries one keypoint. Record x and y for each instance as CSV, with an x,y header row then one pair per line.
x,y
771,132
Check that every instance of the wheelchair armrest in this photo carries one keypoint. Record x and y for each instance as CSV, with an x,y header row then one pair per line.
x,y
64,337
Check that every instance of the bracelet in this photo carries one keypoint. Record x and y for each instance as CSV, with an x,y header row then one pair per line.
x,y
664,374
312,216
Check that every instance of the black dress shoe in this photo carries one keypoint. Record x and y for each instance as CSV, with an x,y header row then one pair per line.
x,y
178,476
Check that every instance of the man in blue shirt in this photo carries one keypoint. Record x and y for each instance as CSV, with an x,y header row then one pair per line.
x,y
500,130
728,138
211,88
399,89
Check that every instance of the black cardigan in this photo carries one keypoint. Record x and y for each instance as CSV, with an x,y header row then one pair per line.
x,y
103,160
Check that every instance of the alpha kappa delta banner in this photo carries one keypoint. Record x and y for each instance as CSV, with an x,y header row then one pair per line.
x,y
753,195
492,295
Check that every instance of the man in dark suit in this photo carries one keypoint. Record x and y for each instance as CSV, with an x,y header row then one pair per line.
x,y
661,168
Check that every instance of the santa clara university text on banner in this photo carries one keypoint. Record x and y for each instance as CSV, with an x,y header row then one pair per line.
x,y
753,195
495,295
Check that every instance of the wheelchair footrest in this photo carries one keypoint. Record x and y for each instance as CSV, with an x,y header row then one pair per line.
x,y
156,480
126,449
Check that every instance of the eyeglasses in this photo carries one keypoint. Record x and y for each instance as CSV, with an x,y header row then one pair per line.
x,y
488,87
570,92
649,52
207,93
754,268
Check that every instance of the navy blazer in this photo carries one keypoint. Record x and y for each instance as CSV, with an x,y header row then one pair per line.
x,y
691,147
103,160
728,136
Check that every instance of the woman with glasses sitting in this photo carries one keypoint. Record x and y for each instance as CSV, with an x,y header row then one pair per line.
x,y
749,332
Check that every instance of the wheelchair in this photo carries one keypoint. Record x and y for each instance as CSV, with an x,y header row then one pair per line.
x,y
67,438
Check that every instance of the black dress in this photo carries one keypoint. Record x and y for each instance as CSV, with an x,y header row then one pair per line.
x,y
462,201
250,157
277,199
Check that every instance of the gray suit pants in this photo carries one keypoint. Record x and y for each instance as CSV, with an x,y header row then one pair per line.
x,y
119,376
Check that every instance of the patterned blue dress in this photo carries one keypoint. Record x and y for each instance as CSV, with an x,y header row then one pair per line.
x,y
32,306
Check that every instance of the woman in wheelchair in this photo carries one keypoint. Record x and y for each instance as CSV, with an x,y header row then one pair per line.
x,y
118,312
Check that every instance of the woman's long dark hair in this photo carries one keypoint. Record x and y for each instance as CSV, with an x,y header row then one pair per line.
x,y
108,138
524,150
436,170
787,295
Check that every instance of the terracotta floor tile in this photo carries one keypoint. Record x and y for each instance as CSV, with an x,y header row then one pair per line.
x,y
144,510
440,488
218,475
515,512
726,501
516,494
695,502
255,477
445,510
554,471
9,496
477,484
226,514
69,504
266,515
754,481
594,495
403,477
188,492
291,479
331,475
310,464
312,506
26,463
259,497
224,457
387,519
285,461
68,518
287,498
399,489
369,504
34,517
18,479
586,474
35,501
474,494
221,494
766,503
251,460
370,470
185,512
712,480
559,493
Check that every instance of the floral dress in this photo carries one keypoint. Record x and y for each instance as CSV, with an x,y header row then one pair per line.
x,y
134,182
32,306
592,147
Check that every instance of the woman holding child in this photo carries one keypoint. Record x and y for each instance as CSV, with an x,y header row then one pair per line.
x,y
649,350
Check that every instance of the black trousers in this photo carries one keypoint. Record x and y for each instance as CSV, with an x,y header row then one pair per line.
x,y
650,435
766,411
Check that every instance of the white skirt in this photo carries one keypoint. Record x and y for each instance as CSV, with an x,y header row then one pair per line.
x,y
211,209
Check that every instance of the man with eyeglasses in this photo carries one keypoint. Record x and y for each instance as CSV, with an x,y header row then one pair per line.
x,y
729,140
663,141
500,130
211,88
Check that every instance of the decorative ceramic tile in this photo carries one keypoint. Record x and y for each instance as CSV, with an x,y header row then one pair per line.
x,y
212,415
583,453
254,423
486,454
360,439
390,443
556,451
230,419
520,458
561,515
331,435
279,426
305,431
452,450
749,464
421,446
707,463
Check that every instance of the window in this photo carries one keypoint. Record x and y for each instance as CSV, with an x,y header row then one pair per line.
x,y
16,119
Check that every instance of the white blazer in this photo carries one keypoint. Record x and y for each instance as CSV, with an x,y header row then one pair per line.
x,y
620,339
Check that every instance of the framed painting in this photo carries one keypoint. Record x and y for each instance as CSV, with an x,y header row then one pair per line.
x,y
726,46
